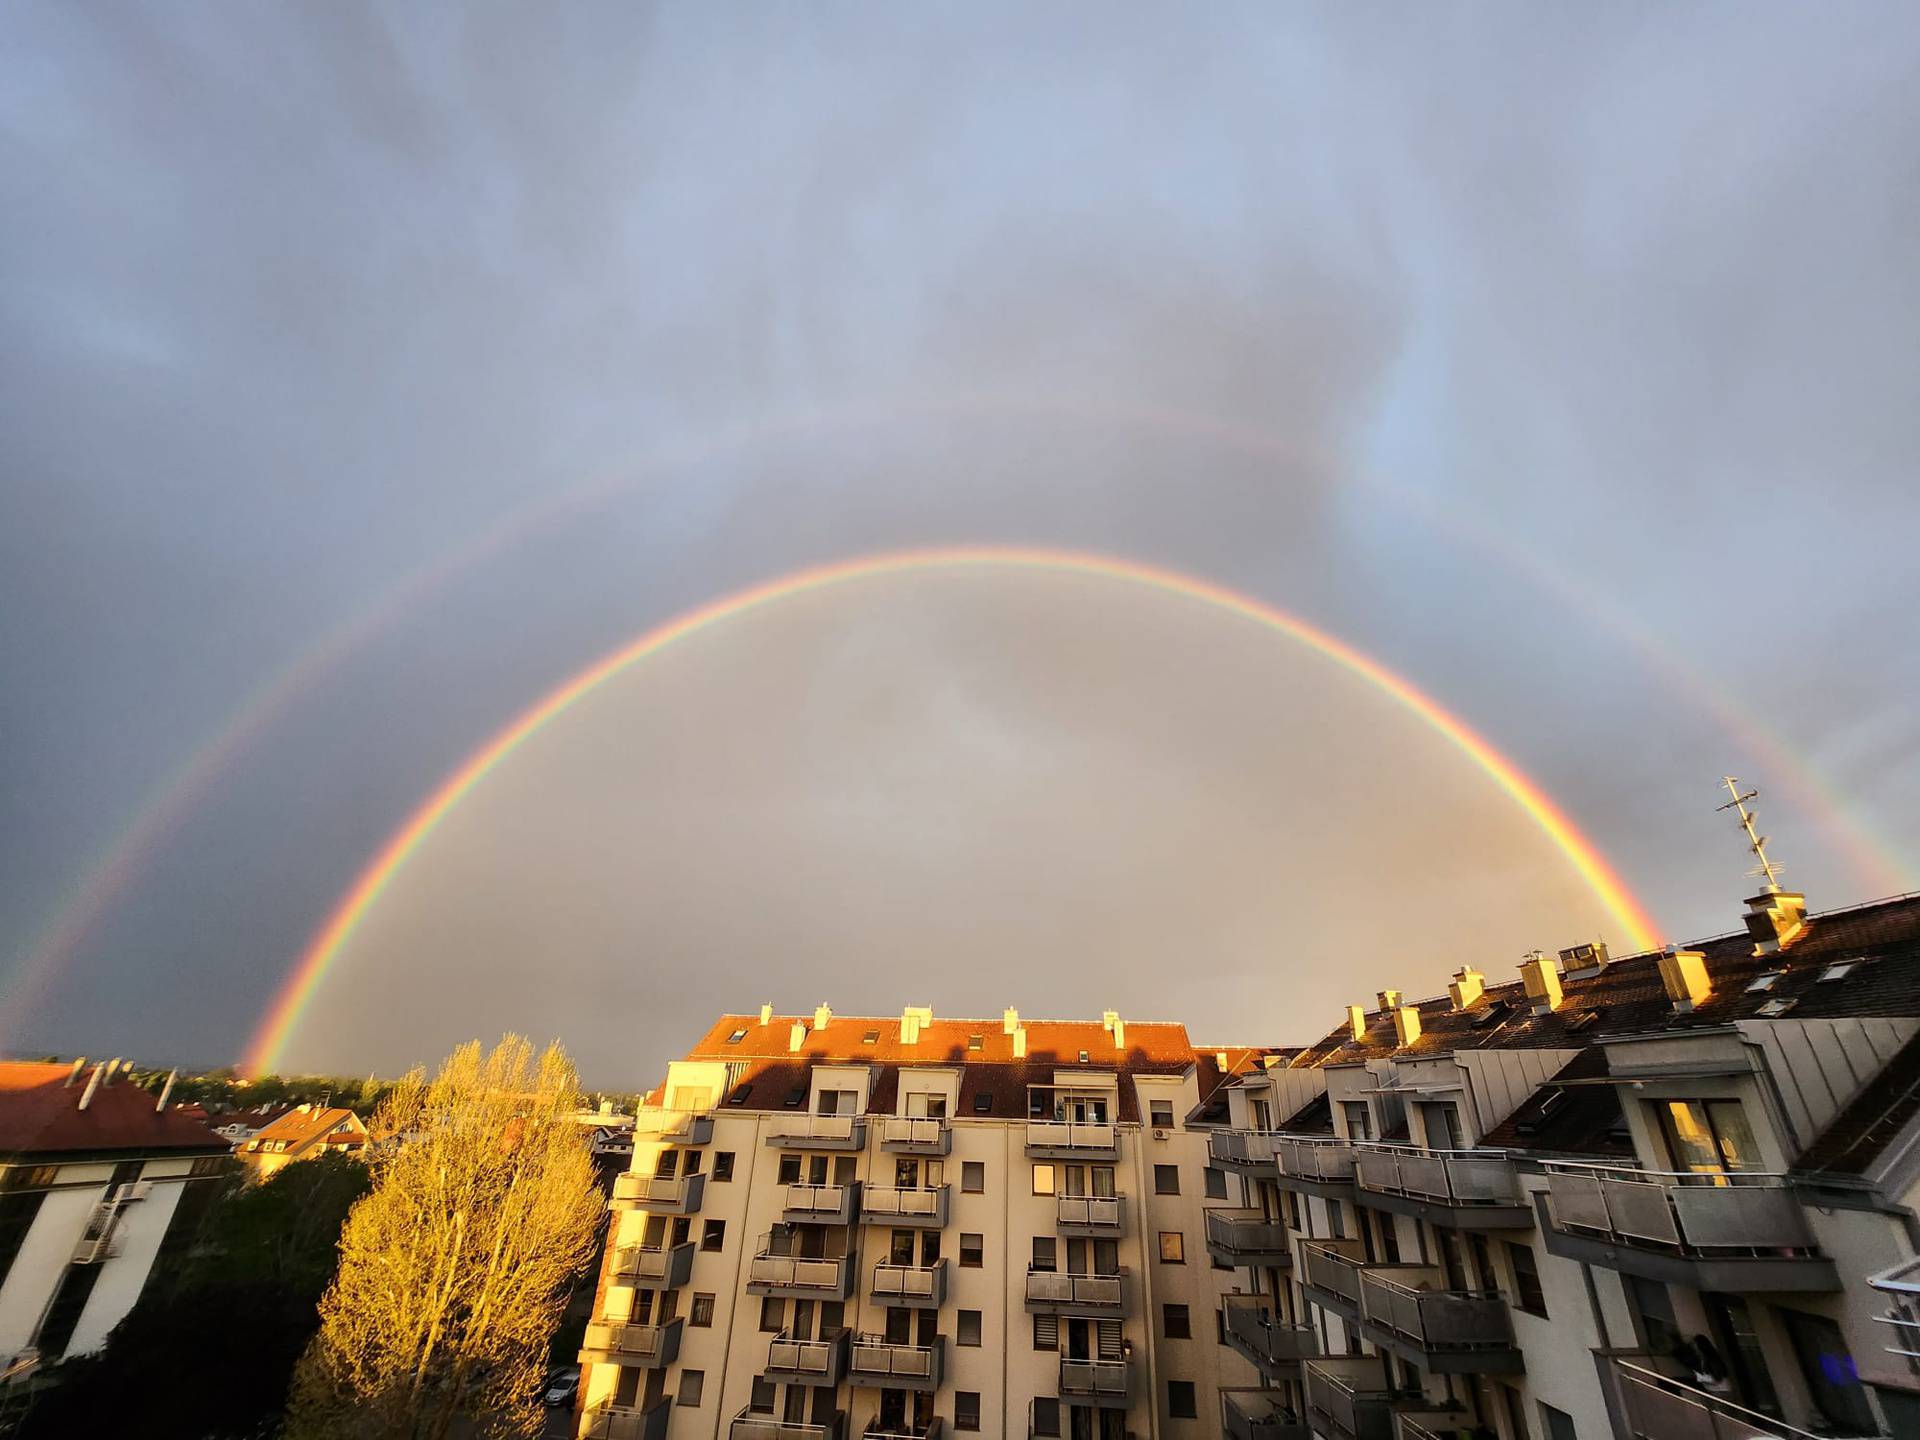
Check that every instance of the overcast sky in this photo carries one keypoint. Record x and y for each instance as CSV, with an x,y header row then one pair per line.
x,y
1562,361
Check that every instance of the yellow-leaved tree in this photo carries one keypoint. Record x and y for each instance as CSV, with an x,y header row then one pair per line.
x,y
457,1264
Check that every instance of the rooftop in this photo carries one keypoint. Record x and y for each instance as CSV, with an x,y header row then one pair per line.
x,y
40,1116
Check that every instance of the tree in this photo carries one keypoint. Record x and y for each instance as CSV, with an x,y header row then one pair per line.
x,y
455,1268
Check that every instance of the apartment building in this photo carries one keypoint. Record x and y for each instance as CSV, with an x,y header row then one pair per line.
x,y
100,1183
910,1227
1647,1197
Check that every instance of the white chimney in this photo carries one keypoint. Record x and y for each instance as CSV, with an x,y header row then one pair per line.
x,y
1541,976
822,1015
1119,1033
797,1036
1388,999
1009,1020
909,1026
1107,1017
165,1091
93,1084
79,1064
1468,986
1684,975
1019,1042
1356,1023
1406,1023
766,1015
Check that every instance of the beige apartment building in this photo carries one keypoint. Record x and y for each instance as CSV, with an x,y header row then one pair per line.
x,y
1662,1197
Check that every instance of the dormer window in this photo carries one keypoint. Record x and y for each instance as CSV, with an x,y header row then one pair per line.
x,y
976,1043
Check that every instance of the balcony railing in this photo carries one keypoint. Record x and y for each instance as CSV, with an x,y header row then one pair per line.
x,y
892,1205
1314,1159
1455,1178
1433,1320
1901,1286
818,1132
626,1422
674,1127
643,1346
1103,1381
1265,1339
1333,1266
1246,1237
878,1429
662,1194
1738,1212
922,1287
654,1266
1066,1291
1070,1139
821,1204
808,1362
915,1134
1260,1415
879,1361
801,1276
751,1424
1351,1395
1656,1407
1245,1150
1090,1214
1433,1425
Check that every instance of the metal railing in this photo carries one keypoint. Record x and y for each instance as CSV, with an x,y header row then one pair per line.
x,y
833,1201
799,1272
922,1134
1447,1177
1334,1266
1091,1212
647,1345
751,1424
1271,1340
674,1127
1246,1233
1259,1415
664,1192
1434,1319
926,1283
1352,1392
1431,1425
896,1202
822,1361
1248,1148
1657,1407
848,1131
880,1361
1901,1285
626,1422
1100,1378
1064,1287
1734,1212
1093,1137
669,1264
878,1429
1314,1157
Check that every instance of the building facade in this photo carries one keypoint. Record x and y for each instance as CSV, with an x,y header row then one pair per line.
x,y
1662,1197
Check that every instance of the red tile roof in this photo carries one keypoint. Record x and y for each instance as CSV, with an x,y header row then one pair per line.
x,y
306,1125
40,1115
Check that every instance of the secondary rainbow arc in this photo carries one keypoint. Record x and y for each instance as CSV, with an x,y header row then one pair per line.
x,y
270,1038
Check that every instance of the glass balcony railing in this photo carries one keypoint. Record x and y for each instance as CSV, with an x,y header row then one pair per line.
x,y
1317,1159
818,1132
1657,1407
808,1362
1065,1290
1246,1150
896,1365
661,1194
802,1276
1102,1381
1333,1266
918,1286
821,1204
1260,1415
674,1127
1264,1338
1350,1395
1090,1214
879,1429
894,1205
658,1266
626,1422
1071,1138
1246,1237
915,1134
643,1346
1413,1303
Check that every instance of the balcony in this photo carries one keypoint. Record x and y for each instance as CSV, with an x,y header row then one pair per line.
x,y
645,1347
1434,1425
915,1135
658,1194
1246,1152
821,1204
1259,1415
1901,1286
626,1422
1273,1345
1062,1292
1100,1382
878,1429
673,1127
910,1209
1314,1165
1072,1140
1734,1232
918,1287
879,1361
1408,1310
1090,1216
807,1362
1351,1396
751,1424
1458,1189
818,1132
1246,1237
1652,1406
1330,1272
652,1267
800,1277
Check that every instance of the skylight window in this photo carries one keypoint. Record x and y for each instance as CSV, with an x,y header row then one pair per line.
x,y
740,1094
736,1037
872,1037
976,1043
1585,1020
1838,970
1083,1057
1764,982
1776,1007
982,1101
795,1097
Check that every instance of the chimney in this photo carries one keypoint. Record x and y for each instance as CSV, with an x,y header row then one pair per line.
x,y
1580,961
1389,999
113,1066
166,1090
1775,919
909,1026
1009,1020
1542,979
822,1015
79,1064
1684,974
1356,1023
1468,986
1107,1019
766,1015
797,1036
1019,1042
1119,1033
93,1084
1406,1023
1220,1059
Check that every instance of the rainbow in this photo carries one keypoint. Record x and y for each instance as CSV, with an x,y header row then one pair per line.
x,y
263,1051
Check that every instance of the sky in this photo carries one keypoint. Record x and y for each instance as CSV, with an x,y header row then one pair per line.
x,y
371,371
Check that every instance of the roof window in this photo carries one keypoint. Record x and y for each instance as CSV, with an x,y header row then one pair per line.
x,y
1083,1057
976,1043
1776,1007
740,1094
1838,970
736,1037
1585,1020
1764,982
982,1102
872,1037
1493,1014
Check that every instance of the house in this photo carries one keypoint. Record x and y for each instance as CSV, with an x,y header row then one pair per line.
x,y
300,1134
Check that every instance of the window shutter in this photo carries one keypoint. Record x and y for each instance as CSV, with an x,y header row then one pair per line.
x,y
1046,1332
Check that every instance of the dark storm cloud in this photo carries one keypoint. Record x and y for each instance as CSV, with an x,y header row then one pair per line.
x,y
300,299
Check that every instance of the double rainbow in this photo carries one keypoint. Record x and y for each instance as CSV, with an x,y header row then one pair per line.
x,y
264,1049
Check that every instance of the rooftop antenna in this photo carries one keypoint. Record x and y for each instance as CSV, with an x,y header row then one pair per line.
x,y
1756,842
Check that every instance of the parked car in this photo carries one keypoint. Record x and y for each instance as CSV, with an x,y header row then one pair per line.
x,y
562,1384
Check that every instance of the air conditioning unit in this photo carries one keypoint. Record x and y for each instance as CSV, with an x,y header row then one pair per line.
x,y
134,1190
1158,1133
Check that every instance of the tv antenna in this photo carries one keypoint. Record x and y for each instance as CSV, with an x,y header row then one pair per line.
x,y
1756,842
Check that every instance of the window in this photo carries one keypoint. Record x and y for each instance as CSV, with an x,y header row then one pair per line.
x,y
973,1176
1708,1136
722,1165
1045,1255
1175,1323
872,1037
796,1097
1215,1182
1833,1380
1220,1327
691,1384
966,1410
1173,1248
1181,1404
1046,1332
1559,1424
1046,1416
773,1315
1161,1113
972,1248
736,1037
982,1102
702,1316
1516,1413
740,1094
967,1332
1043,1180
1527,1293
1359,1122
976,1042
1166,1179
789,1170
713,1234
1083,1057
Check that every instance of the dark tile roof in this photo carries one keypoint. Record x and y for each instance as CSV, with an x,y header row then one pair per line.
x,y
1561,1118
1869,1122
1313,1118
1627,997
40,1115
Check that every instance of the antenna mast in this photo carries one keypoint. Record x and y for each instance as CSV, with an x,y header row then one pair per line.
x,y
1756,842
